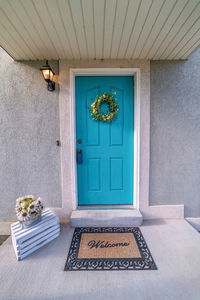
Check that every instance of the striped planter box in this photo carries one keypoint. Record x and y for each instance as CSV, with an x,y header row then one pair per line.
x,y
26,241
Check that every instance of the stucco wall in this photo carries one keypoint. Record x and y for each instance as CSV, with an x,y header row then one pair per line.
x,y
29,119
29,128
175,133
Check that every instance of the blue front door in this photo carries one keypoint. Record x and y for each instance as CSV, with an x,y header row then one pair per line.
x,y
105,175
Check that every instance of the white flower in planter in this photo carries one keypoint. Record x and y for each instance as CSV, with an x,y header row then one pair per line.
x,y
32,207
23,215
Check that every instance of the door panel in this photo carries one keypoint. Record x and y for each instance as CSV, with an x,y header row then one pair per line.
x,y
94,174
116,167
106,174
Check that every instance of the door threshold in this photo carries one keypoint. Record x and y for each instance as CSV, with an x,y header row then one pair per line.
x,y
105,207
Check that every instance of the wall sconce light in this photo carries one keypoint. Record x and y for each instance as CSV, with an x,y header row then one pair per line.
x,y
48,75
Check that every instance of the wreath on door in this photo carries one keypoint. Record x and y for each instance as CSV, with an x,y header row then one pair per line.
x,y
113,108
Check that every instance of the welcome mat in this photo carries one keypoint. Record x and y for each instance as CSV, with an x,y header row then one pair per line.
x,y
109,248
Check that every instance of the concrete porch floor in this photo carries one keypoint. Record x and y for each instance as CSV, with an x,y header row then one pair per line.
x,y
174,245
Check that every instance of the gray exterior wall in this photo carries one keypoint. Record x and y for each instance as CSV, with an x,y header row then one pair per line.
x,y
29,128
175,133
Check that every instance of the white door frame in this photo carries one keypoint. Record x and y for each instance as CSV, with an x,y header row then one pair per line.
x,y
135,72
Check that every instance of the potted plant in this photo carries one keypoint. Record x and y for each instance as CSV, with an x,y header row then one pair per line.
x,y
28,210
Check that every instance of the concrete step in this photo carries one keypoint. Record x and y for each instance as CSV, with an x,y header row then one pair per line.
x,y
106,217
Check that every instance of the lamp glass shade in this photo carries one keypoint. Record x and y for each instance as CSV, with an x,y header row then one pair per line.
x,y
51,74
47,72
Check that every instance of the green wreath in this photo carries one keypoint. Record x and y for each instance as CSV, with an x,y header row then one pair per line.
x,y
96,108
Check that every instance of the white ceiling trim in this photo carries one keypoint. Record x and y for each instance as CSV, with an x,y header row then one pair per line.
x,y
99,29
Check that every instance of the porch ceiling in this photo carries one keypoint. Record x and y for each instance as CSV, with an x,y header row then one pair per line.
x,y
99,29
